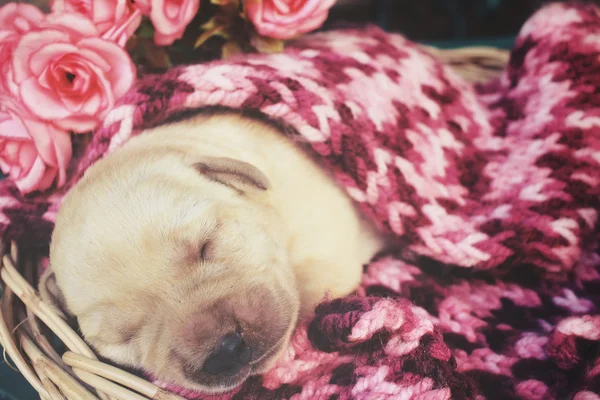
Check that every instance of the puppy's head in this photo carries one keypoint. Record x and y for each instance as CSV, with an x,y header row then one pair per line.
x,y
176,266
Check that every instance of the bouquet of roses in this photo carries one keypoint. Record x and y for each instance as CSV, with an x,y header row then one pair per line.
x,y
65,64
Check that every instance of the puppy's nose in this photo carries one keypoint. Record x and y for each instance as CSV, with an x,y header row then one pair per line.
x,y
229,356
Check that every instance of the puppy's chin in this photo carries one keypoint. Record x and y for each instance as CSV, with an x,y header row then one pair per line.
x,y
220,384
202,384
177,380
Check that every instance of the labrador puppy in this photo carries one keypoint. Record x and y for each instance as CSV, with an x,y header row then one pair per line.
x,y
192,251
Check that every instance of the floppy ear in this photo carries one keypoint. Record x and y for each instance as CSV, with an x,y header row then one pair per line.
x,y
239,175
51,293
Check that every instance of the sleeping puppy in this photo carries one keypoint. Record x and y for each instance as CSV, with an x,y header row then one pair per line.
x,y
192,251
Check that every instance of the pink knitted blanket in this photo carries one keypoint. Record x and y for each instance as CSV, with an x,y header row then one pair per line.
x,y
492,192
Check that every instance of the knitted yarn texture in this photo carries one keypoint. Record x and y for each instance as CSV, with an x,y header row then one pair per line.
x,y
491,192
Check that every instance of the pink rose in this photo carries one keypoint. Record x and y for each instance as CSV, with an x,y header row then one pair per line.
x,y
286,19
169,17
15,20
33,153
19,17
64,73
116,20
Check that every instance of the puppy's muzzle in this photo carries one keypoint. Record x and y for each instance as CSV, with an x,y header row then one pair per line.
x,y
229,357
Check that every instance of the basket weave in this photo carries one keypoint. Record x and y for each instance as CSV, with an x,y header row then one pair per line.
x,y
77,374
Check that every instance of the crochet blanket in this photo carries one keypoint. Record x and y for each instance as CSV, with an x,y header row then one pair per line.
x,y
491,191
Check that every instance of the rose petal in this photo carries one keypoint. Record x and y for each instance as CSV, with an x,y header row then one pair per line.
x,y
11,151
47,179
143,5
19,17
80,6
36,179
94,57
78,124
52,144
47,54
28,46
44,103
94,109
74,106
4,166
63,148
98,102
124,29
5,37
93,104
75,24
83,79
310,10
165,40
168,24
41,138
279,31
115,20
12,129
25,179
106,13
282,19
40,154
27,154
122,70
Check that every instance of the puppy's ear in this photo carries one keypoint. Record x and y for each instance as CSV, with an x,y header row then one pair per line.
x,y
233,173
51,293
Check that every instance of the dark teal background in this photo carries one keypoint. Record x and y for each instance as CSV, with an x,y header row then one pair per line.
x,y
13,386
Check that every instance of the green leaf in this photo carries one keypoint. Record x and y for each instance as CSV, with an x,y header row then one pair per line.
x,y
157,57
225,3
213,27
146,30
265,44
230,49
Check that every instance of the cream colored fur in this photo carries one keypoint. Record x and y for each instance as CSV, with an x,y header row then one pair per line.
x,y
126,250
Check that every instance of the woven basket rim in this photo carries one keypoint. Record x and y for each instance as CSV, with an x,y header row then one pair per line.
x,y
77,374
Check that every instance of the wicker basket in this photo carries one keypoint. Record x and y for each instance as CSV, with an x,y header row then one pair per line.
x,y
474,64
76,373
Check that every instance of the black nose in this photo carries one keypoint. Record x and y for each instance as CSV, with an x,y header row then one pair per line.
x,y
229,356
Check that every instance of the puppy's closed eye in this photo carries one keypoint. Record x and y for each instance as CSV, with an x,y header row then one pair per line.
x,y
200,251
206,251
